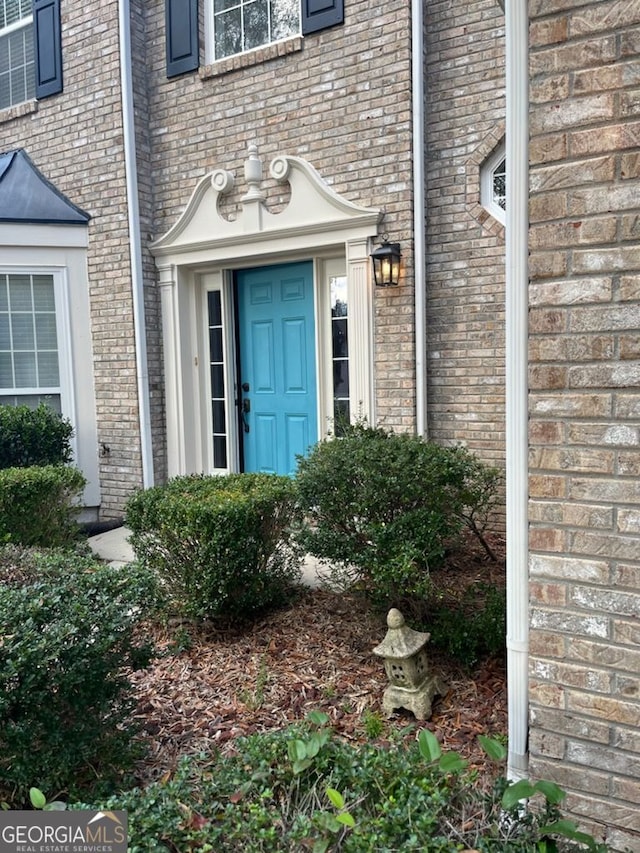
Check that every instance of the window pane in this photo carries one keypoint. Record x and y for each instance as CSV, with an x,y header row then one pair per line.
x,y
25,368
215,344
6,370
340,341
256,24
341,378
22,331
217,380
219,451
43,298
285,18
48,375
5,337
223,5
215,308
46,336
500,185
219,417
4,297
228,33
20,293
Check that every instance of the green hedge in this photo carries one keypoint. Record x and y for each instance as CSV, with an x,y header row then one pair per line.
x,y
37,505
301,790
33,437
382,507
70,628
222,545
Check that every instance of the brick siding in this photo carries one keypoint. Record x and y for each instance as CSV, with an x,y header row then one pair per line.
x,y
585,409
464,94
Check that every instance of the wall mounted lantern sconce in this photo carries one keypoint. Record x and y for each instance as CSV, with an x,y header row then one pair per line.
x,y
386,264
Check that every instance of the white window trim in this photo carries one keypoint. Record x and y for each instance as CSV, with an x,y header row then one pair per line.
x,y
60,250
20,24
63,332
487,171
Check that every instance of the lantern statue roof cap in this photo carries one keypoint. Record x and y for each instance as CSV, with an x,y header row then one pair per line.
x,y
401,641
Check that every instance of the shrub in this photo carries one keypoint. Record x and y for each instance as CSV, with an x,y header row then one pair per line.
x,y
382,507
301,789
221,545
37,505
33,437
471,629
69,630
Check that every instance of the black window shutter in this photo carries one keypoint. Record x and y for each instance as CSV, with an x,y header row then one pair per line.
x,y
320,14
47,47
181,23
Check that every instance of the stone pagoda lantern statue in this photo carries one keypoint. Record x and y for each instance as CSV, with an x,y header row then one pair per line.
x,y
411,686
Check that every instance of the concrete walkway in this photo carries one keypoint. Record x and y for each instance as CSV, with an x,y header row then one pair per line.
x,y
113,547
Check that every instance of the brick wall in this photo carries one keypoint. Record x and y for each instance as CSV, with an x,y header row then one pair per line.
x,y
75,139
464,90
342,100
585,408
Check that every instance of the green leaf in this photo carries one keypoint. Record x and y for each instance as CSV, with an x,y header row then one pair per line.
x,y
429,747
569,829
336,798
38,799
451,762
297,750
301,766
318,718
517,791
494,749
321,845
346,819
552,792
56,806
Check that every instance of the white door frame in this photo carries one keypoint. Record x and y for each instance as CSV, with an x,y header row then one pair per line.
x,y
317,224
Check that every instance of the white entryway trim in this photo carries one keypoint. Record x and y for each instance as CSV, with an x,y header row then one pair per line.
x,y
317,224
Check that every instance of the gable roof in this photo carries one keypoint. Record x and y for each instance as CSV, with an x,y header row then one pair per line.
x,y
27,196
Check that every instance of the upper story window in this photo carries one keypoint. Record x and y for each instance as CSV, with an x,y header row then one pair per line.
x,y
241,25
17,65
493,183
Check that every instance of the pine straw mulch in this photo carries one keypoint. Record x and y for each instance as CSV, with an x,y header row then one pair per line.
x,y
314,655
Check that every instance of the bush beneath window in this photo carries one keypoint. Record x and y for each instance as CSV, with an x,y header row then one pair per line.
x,y
221,545
38,505
70,629
33,437
381,508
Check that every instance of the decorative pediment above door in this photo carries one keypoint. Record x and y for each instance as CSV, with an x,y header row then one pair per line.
x,y
315,214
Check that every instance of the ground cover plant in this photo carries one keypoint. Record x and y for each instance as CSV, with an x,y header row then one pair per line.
x,y
70,636
302,789
222,546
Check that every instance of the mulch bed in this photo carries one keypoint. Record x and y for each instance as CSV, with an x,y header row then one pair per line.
x,y
314,655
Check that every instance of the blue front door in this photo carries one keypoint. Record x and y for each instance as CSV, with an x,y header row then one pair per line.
x,y
277,365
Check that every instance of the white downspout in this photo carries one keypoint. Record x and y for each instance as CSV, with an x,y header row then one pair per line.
x,y
419,252
517,155
142,375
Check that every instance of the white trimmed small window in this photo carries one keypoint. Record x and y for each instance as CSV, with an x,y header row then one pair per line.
x,y
493,183
29,351
242,25
17,63
234,27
